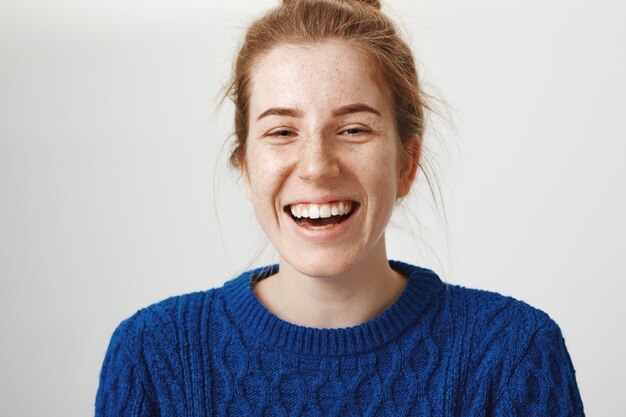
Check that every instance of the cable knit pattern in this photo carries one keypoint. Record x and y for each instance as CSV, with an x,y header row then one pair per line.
x,y
439,350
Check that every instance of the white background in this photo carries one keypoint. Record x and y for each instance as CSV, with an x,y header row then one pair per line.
x,y
113,176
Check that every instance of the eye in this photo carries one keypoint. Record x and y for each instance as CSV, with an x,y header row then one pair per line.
x,y
355,131
281,133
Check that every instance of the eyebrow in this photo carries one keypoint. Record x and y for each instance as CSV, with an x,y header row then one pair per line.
x,y
341,111
355,108
280,111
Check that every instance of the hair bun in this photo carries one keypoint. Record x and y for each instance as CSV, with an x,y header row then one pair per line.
x,y
373,3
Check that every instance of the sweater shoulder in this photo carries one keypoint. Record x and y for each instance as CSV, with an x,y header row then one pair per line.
x,y
178,309
162,323
496,331
156,346
492,310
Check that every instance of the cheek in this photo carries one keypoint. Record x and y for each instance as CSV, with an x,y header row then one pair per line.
x,y
265,174
384,171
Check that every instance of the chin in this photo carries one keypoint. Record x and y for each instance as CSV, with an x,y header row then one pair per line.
x,y
321,265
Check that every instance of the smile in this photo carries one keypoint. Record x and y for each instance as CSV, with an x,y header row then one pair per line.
x,y
321,216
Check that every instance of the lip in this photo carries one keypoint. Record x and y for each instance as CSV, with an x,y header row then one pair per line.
x,y
321,200
327,234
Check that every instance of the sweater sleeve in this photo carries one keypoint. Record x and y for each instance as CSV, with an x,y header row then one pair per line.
x,y
122,390
543,382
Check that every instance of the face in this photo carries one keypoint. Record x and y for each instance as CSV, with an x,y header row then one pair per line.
x,y
323,165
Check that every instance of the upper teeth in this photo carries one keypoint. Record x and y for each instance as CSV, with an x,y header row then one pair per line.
x,y
316,211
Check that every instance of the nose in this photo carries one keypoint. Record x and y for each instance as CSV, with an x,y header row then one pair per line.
x,y
318,160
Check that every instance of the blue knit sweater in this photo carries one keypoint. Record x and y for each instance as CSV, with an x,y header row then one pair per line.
x,y
439,350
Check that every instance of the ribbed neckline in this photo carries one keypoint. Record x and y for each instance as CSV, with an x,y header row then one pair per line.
x,y
253,318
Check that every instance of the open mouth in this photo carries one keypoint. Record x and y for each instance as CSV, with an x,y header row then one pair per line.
x,y
321,216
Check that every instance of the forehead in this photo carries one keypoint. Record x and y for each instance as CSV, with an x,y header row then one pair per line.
x,y
330,73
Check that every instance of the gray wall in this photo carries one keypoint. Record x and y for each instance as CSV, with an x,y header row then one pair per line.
x,y
113,178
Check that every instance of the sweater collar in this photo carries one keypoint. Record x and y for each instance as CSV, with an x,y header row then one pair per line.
x,y
254,319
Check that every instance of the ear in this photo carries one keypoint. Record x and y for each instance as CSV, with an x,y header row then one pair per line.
x,y
410,162
244,178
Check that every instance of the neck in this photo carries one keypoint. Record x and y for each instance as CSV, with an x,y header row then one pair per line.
x,y
346,300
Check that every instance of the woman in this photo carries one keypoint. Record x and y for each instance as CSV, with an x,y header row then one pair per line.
x,y
329,123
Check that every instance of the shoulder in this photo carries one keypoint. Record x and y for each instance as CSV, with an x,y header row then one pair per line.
x,y
502,335
494,312
520,350
161,324
150,350
496,328
183,316
477,316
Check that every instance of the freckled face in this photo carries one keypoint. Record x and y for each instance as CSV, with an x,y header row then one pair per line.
x,y
322,164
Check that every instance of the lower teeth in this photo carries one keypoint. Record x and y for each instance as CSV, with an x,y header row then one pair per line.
x,y
320,223
316,225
